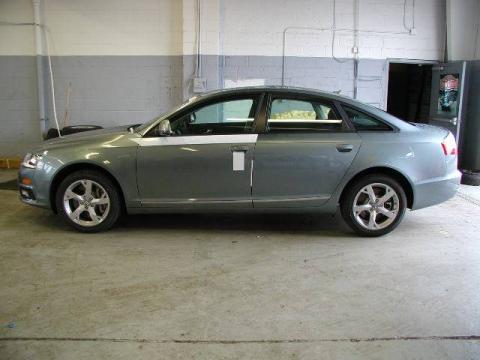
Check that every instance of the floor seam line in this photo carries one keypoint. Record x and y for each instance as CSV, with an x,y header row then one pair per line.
x,y
253,341
468,198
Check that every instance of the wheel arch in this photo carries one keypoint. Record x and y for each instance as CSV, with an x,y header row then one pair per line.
x,y
395,174
67,170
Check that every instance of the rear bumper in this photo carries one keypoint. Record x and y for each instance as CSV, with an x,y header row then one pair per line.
x,y
435,191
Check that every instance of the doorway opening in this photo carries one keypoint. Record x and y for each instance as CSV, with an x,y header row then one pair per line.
x,y
409,88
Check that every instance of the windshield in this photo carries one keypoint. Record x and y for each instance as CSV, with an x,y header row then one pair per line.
x,y
146,125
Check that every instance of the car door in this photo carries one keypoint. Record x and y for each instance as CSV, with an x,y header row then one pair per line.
x,y
303,154
206,162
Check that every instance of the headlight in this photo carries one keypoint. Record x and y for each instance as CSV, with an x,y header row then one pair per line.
x,y
30,160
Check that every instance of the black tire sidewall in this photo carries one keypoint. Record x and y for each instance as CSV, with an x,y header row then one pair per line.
x,y
472,179
352,191
107,184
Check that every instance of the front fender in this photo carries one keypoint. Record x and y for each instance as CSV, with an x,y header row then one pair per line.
x,y
118,162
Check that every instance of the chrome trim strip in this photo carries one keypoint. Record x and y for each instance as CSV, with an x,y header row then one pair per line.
x,y
195,202
304,121
239,119
197,140
165,202
283,199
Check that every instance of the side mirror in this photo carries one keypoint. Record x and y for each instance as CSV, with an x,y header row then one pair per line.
x,y
164,128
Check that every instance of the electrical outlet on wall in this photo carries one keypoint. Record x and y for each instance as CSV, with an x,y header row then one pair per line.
x,y
199,85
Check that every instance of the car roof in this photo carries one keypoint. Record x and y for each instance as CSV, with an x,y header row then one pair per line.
x,y
287,90
272,88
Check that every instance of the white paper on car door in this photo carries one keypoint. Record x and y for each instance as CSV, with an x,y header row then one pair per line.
x,y
238,160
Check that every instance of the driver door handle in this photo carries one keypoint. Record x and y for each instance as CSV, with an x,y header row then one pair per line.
x,y
243,148
344,147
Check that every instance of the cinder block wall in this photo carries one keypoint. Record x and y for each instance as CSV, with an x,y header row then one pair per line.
x,y
127,61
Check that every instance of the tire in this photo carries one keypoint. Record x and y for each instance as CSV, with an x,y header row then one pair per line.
x,y
89,211
51,134
470,178
358,195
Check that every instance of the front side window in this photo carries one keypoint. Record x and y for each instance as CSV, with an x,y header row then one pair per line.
x,y
226,117
364,122
287,115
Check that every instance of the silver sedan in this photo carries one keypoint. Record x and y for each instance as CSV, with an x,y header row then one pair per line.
x,y
266,149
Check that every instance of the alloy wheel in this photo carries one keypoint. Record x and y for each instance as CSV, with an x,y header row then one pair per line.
x,y
86,202
376,206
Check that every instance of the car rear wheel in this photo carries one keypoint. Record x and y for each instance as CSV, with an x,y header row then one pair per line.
x,y
374,205
88,201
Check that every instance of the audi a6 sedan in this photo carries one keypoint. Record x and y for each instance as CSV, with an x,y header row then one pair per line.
x,y
267,149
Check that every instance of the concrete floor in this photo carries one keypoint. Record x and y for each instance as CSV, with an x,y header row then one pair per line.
x,y
263,287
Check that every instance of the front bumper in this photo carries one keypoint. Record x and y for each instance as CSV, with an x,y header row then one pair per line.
x,y
35,193
435,191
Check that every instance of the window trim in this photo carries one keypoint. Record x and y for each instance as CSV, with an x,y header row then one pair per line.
x,y
255,96
346,125
342,107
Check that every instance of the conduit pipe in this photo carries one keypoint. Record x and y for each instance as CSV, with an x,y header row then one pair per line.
x,y
40,31
39,54
356,61
287,29
356,31
39,59
198,68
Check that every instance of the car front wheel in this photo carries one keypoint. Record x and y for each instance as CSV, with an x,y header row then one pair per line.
x,y
374,205
88,201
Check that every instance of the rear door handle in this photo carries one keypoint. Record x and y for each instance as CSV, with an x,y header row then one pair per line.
x,y
344,147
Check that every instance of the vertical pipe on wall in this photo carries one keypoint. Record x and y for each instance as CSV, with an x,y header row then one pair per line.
x,y
198,69
221,67
39,58
355,48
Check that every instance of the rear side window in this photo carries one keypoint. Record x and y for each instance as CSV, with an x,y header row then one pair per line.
x,y
290,115
364,122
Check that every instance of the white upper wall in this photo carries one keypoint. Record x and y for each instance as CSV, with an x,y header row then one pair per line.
x,y
96,27
115,27
256,28
229,27
16,40
210,23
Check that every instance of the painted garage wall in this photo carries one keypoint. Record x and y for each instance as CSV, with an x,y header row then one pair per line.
x,y
121,59
115,90
18,93
256,28
19,124
463,30
126,62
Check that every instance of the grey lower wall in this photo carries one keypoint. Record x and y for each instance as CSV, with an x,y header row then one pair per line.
x,y
105,90
19,125
116,90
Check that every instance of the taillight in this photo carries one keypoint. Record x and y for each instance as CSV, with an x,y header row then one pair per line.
x,y
449,145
